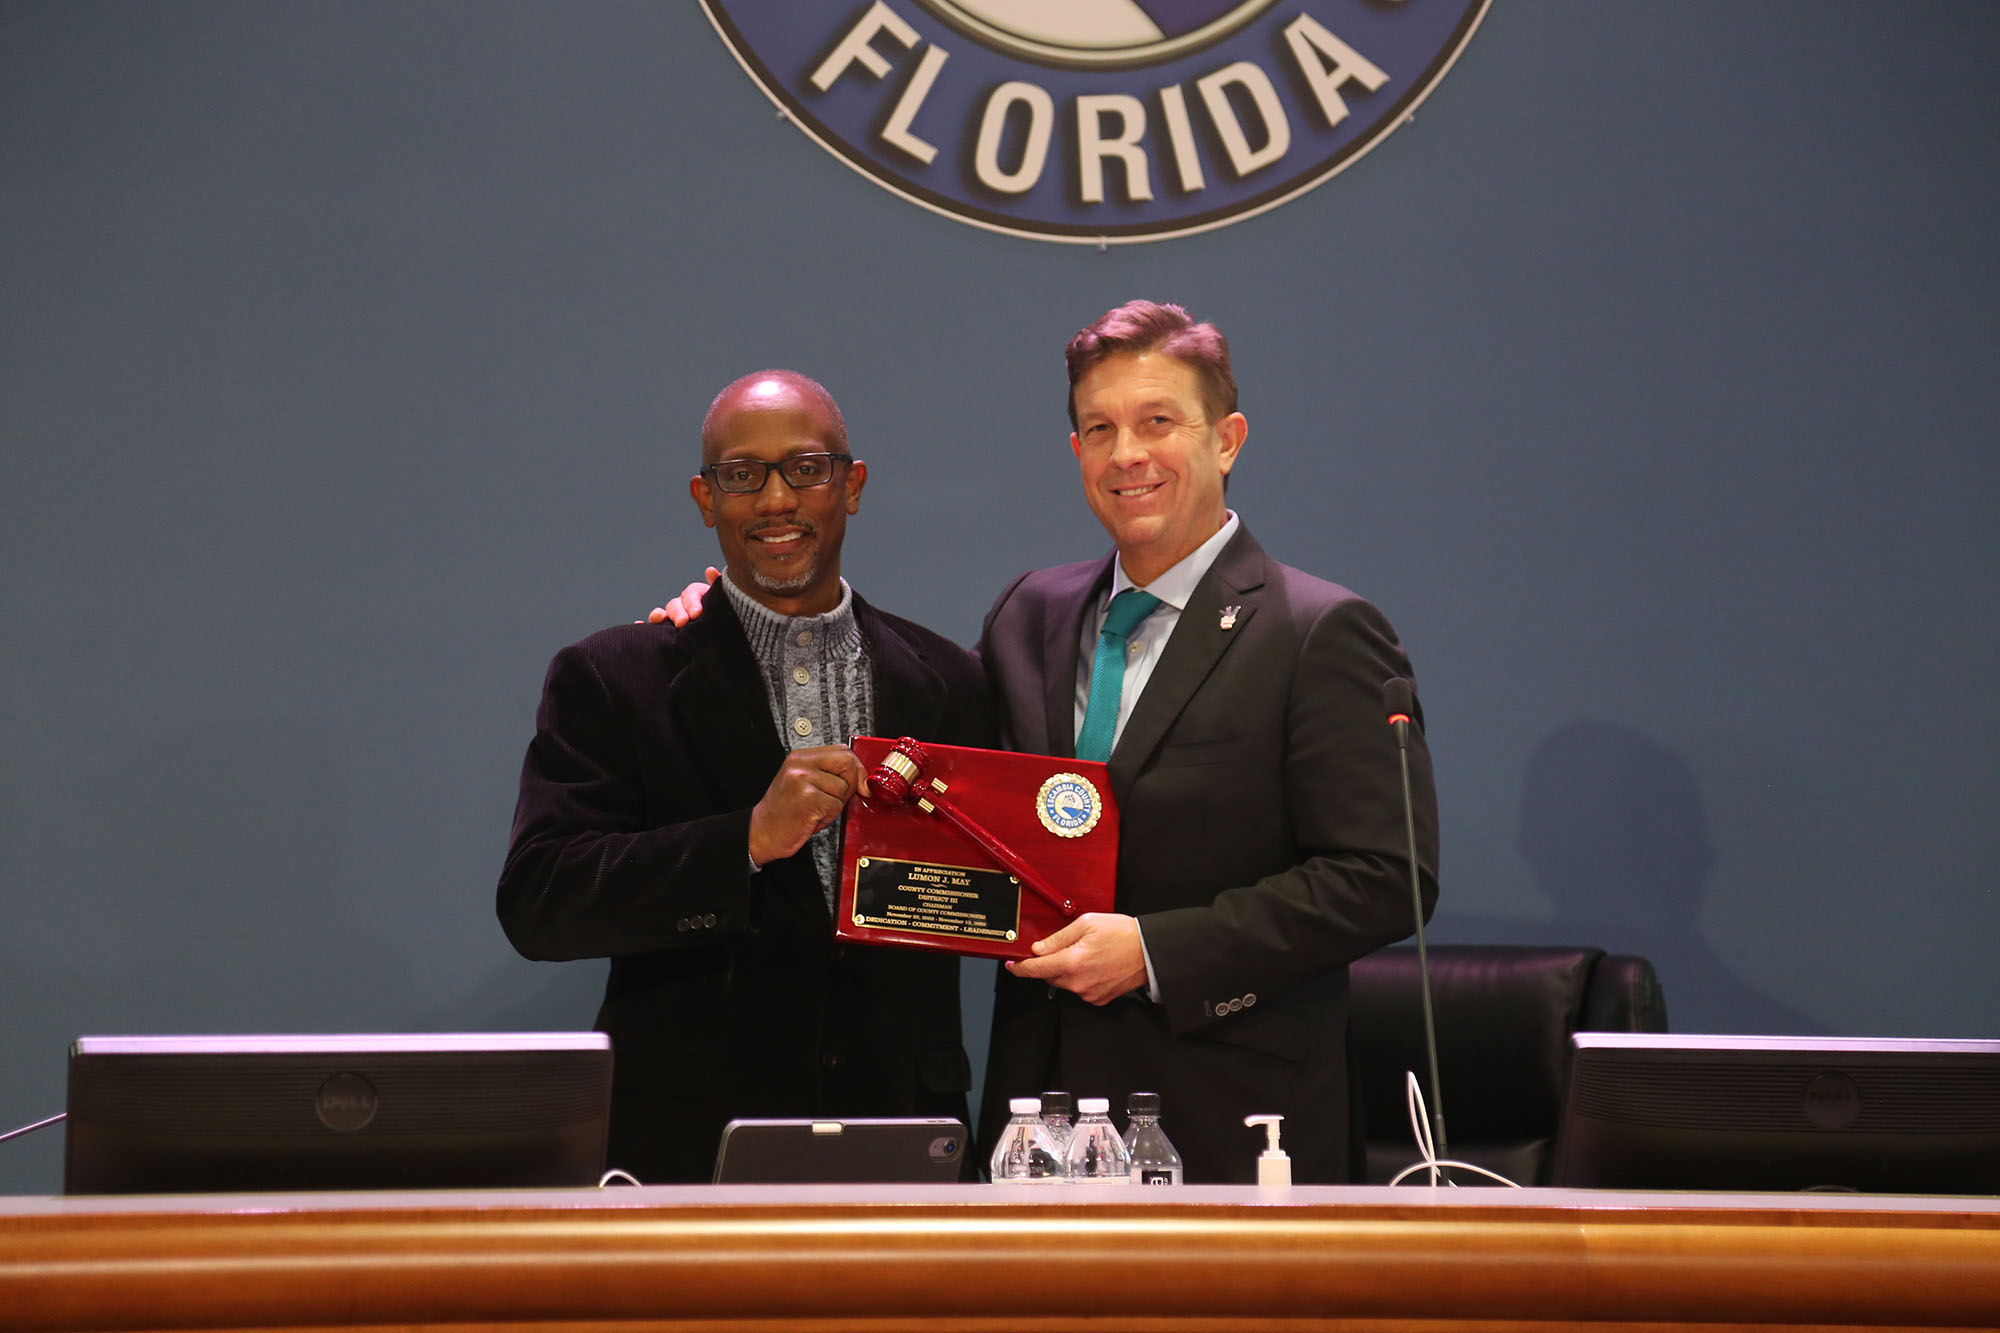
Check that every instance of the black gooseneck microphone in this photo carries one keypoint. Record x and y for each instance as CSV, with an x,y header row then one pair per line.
x,y
1399,702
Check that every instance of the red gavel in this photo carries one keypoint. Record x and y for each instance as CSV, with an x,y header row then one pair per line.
x,y
899,779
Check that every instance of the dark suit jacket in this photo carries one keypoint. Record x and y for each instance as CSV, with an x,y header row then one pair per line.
x,y
1262,847
728,995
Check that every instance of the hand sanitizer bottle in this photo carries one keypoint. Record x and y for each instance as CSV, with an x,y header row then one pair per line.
x,y
1154,1161
1274,1167
1026,1155
1096,1154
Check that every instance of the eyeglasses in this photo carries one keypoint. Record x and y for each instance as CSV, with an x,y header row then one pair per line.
x,y
746,476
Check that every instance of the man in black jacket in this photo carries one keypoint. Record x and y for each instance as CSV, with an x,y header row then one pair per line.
x,y
678,808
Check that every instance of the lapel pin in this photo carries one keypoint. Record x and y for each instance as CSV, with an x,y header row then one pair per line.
x,y
1229,616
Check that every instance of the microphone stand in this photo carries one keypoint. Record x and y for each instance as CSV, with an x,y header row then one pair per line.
x,y
1399,721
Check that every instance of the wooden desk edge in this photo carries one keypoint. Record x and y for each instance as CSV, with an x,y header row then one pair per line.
x,y
972,1257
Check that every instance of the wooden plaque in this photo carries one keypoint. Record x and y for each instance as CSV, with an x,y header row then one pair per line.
x,y
957,862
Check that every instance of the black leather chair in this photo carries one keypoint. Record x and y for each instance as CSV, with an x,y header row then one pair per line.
x,y
1504,1018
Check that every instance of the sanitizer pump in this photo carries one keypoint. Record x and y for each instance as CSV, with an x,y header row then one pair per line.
x,y
1274,1169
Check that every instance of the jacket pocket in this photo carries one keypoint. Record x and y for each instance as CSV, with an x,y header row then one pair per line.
x,y
1194,753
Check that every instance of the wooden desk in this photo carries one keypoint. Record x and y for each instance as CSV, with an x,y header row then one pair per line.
x,y
989,1258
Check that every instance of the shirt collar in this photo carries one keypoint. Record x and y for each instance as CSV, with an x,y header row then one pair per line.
x,y
1177,585
835,626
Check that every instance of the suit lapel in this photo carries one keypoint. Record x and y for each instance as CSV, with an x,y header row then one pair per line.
x,y
720,706
909,693
1236,579
1062,649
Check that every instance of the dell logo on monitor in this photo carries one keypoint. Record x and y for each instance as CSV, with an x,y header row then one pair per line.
x,y
1832,1100
346,1103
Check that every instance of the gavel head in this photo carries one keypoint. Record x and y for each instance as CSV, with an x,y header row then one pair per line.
x,y
900,769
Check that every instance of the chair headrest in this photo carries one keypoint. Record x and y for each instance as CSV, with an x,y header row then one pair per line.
x,y
1504,1017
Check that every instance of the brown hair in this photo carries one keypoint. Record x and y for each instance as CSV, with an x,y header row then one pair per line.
x,y
1148,326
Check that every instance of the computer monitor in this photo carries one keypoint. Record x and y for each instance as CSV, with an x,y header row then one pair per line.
x,y
154,1115
1871,1114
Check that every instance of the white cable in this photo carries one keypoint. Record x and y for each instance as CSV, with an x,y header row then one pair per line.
x,y
1420,1128
39,1124
614,1174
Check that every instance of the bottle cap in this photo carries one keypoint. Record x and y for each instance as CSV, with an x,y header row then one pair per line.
x,y
1058,1103
1093,1105
1024,1105
1143,1103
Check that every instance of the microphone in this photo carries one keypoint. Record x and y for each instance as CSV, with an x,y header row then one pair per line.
x,y
1399,703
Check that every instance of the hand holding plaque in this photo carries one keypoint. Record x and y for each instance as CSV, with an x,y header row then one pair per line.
x,y
973,851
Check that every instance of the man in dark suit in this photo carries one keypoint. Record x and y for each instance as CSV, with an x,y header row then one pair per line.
x,y
1240,705
677,807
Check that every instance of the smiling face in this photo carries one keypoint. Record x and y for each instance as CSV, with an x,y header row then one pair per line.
x,y
780,545
1152,461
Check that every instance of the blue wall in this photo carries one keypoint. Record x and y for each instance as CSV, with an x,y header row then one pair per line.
x,y
351,357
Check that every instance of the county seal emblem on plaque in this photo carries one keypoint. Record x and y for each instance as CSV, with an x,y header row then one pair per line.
x,y
1068,805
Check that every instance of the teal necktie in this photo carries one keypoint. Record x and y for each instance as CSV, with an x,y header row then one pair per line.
x,y
1107,672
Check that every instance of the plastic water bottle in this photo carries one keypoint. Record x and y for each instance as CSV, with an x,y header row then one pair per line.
x,y
1096,1154
1154,1160
1026,1155
1059,1114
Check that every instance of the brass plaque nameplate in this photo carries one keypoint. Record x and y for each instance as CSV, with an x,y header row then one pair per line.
x,y
923,897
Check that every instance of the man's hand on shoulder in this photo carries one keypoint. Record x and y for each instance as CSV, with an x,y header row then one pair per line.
x,y
687,606
1098,956
808,794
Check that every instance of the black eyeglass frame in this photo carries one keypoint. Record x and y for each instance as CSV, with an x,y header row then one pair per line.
x,y
783,467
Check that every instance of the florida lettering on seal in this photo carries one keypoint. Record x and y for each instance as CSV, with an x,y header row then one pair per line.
x,y
1068,805
1097,121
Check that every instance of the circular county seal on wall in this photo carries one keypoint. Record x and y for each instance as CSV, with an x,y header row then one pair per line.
x,y
1097,120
